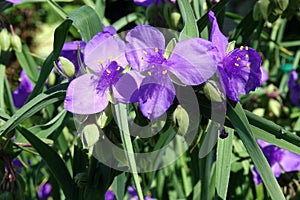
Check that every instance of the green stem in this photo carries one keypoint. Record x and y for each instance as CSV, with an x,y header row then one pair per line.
x,y
121,114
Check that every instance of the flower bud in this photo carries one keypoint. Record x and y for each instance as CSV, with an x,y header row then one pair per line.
x,y
4,39
66,67
175,18
275,107
51,79
16,43
181,119
212,91
259,111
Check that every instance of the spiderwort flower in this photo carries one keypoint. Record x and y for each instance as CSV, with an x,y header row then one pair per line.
x,y
145,52
134,196
239,69
294,88
44,191
23,90
149,2
104,55
279,160
14,1
109,195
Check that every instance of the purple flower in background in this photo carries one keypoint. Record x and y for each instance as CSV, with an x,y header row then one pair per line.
x,y
134,196
239,69
23,90
294,88
14,1
70,51
279,160
104,55
110,195
145,52
44,191
149,2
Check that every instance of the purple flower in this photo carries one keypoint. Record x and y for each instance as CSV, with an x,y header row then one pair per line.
x,y
23,90
189,62
134,196
104,55
279,160
70,51
109,195
149,2
239,69
44,191
14,1
294,88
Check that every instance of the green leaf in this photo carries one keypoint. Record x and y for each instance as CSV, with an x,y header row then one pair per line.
x,y
60,35
223,164
53,160
100,8
51,96
120,23
2,83
203,21
87,22
119,186
239,121
190,27
121,114
28,64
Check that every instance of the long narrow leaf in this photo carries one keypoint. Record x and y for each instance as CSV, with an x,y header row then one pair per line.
x,y
42,100
240,123
60,35
53,160
190,27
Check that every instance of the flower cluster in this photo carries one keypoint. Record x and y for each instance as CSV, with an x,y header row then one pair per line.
x,y
155,69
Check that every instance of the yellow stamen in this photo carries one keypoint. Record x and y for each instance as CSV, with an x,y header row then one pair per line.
x,y
238,58
149,73
117,59
247,48
241,47
247,56
236,64
156,50
108,71
118,68
19,79
100,61
145,52
142,59
248,65
164,72
110,57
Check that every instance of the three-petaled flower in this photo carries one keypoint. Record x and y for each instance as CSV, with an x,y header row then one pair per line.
x,y
104,56
189,62
239,69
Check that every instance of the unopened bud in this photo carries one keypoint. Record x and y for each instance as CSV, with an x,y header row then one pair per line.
x,y
213,92
181,119
175,18
4,39
66,67
51,79
16,43
275,107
